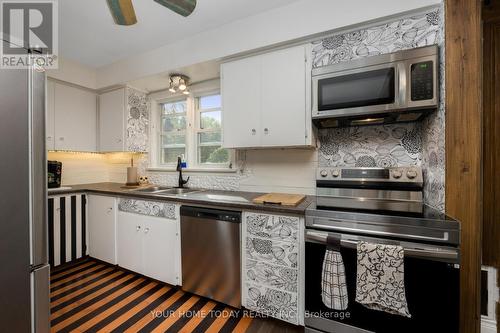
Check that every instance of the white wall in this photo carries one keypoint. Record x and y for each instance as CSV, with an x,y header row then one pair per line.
x,y
86,168
298,20
76,73
280,170
81,168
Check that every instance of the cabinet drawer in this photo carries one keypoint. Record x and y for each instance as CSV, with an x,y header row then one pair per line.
x,y
278,277
275,303
272,252
282,228
149,208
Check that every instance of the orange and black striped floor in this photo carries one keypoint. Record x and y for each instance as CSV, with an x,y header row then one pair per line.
x,y
92,296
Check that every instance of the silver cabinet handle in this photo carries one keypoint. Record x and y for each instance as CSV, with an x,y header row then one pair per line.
x,y
266,131
49,138
61,138
110,209
119,140
254,131
138,228
146,230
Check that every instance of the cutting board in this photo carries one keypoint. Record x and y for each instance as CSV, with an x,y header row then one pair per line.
x,y
280,199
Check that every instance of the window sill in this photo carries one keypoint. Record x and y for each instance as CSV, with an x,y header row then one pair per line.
x,y
195,170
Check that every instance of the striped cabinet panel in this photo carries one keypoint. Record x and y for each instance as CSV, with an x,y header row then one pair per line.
x,y
67,228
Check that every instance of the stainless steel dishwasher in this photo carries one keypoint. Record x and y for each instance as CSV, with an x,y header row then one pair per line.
x,y
211,258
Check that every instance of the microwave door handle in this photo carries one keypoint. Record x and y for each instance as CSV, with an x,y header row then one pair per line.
x,y
430,252
402,83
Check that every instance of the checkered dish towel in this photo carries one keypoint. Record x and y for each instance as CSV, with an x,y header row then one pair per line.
x,y
333,286
380,281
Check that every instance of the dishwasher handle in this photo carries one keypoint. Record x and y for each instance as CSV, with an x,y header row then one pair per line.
x,y
211,214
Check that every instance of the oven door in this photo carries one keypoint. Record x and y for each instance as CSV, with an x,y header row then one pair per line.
x,y
431,287
358,92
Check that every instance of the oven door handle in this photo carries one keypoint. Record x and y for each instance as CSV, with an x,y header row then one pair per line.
x,y
445,238
431,252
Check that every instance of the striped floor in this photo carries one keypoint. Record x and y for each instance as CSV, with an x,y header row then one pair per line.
x,y
95,297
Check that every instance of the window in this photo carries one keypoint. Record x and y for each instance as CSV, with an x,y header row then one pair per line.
x,y
173,131
209,131
192,128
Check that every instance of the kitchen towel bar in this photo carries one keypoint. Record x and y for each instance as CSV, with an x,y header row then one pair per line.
x,y
439,253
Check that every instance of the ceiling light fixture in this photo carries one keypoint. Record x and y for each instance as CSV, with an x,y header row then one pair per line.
x,y
179,83
182,85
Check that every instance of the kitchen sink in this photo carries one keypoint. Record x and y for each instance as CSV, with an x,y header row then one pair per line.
x,y
165,190
152,189
178,191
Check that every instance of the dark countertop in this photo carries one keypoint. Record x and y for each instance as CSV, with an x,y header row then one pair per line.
x,y
206,197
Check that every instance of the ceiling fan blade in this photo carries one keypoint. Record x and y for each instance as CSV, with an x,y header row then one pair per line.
x,y
182,7
122,11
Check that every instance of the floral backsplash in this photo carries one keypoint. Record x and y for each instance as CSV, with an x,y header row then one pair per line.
x,y
420,144
371,146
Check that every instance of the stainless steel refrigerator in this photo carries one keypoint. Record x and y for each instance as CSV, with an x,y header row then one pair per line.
x,y
24,272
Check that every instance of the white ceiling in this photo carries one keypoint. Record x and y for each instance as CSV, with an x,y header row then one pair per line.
x,y
87,33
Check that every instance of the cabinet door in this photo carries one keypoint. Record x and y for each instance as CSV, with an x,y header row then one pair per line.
x,y
160,249
75,119
129,241
284,98
50,121
102,218
111,120
241,103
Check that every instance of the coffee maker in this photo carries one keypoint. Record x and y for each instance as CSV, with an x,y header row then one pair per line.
x,y
54,173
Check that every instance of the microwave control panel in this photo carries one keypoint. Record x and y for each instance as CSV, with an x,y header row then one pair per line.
x,y
422,81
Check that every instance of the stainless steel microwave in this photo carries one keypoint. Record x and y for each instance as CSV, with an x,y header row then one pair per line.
x,y
395,87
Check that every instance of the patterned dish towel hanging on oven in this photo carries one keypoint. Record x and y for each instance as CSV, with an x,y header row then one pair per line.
x,y
333,286
380,278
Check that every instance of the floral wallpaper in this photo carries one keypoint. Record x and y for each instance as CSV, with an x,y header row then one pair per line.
x,y
272,302
371,146
137,121
419,144
271,265
284,228
275,276
151,208
405,33
278,253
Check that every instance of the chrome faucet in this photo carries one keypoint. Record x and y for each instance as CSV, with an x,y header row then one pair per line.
x,y
182,182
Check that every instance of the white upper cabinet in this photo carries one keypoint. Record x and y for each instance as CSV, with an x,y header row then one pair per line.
x,y
75,113
241,103
284,98
266,100
112,108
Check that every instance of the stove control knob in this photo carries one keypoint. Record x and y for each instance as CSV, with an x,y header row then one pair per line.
x,y
411,174
335,173
397,174
323,173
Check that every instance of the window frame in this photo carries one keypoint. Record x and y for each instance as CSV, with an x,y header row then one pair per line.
x,y
161,132
193,124
197,129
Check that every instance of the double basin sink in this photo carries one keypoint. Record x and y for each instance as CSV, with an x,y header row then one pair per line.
x,y
167,191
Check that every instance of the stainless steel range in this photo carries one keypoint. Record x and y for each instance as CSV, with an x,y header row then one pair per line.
x,y
382,206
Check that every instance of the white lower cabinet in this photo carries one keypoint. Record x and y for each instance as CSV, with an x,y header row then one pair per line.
x,y
148,239
102,224
129,241
273,265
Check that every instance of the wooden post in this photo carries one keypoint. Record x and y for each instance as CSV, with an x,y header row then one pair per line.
x,y
463,146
